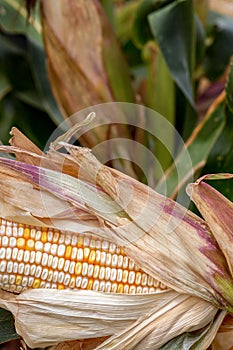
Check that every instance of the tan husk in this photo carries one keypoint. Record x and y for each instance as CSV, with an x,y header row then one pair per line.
x,y
163,238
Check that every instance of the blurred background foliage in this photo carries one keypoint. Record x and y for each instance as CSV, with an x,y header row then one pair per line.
x,y
173,56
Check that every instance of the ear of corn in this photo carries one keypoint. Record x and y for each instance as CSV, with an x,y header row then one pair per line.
x,y
34,257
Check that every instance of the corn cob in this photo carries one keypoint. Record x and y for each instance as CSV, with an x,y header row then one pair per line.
x,y
34,257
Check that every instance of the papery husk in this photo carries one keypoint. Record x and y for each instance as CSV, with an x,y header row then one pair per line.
x,y
224,338
157,233
217,211
46,317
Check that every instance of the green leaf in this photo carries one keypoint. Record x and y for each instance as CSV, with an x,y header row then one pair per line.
x,y
7,329
198,148
220,45
229,89
178,50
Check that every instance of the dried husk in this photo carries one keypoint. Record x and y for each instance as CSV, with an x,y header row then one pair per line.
x,y
163,238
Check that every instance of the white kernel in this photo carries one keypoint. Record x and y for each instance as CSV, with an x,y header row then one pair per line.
x,y
50,276
72,283
156,284
9,223
102,258
86,241
15,267
50,236
47,247
108,259
32,257
3,253
19,289
125,262
145,290
105,245
26,256
48,285
138,278
38,271
61,250
38,235
44,260
90,270
74,253
92,243
61,277
61,263
3,266
72,267
119,275
33,233
74,240
107,273
131,265
150,281
20,232
15,231
38,257
139,289
55,276
114,260
42,284
102,286
152,290
53,250
96,271
67,240
131,277
12,242
55,262
96,285
108,286
114,288
21,268
80,254
144,279
27,269
113,275
9,267
5,279
78,281
5,241
20,255
44,274
9,231
102,273
25,281
12,279
112,248
126,288
67,279
84,283
98,244
53,286
32,270
61,239
56,236
50,260
30,281
2,232
39,246
66,266
120,260
132,290
8,253
14,253
84,269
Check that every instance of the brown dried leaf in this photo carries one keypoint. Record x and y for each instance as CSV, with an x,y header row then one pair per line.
x,y
85,344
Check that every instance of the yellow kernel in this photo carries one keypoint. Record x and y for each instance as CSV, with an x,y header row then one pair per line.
x,y
91,259
20,242
60,286
125,276
30,244
26,233
78,268
44,237
68,252
80,241
86,253
18,280
36,283
90,283
120,288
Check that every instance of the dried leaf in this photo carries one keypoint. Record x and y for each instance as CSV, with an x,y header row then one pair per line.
x,y
86,344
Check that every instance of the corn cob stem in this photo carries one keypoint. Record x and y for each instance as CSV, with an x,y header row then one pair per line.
x,y
34,257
